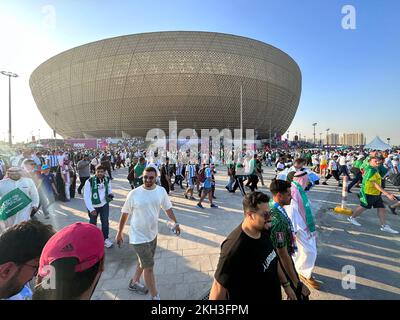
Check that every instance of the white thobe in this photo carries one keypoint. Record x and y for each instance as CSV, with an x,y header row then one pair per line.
x,y
27,186
304,258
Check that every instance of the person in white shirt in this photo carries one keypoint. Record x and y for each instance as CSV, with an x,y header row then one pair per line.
x,y
333,171
343,169
17,191
94,163
97,195
315,162
144,203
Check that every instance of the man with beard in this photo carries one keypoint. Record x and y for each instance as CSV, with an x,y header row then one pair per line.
x,y
20,249
19,199
283,235
97,195
249,248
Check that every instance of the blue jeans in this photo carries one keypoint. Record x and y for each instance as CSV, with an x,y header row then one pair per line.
x,y
230,183
104,213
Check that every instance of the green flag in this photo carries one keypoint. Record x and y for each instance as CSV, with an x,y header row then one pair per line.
x,y
368,174
13,202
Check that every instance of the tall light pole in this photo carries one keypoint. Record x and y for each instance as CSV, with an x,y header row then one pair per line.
x,y
9,75
55,133
327,130
241,116
388,140
314,124
320,138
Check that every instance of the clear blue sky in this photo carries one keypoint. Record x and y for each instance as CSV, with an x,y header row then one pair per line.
x,y
350,77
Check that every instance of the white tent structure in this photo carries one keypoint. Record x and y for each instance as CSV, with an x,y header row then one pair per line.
x,y
377,144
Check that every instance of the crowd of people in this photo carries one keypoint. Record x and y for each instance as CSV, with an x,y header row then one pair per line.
x,y
276,239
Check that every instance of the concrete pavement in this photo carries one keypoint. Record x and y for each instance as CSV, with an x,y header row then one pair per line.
x,y
185,265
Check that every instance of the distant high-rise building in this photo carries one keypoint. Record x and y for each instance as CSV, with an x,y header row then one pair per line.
x,y
333,139
353,139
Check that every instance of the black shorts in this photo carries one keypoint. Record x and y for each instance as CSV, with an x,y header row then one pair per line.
x,y
374,202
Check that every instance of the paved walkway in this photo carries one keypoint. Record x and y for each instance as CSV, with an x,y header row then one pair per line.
x,y
185,265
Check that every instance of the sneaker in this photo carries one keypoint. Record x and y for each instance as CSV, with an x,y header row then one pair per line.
x,y
199,205
324,183
393,210
157,297
137,287
214,197
388,229
108,243
186,196
213,206
348,191
354,221
192,198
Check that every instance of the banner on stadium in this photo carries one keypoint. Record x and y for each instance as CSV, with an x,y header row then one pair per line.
x,y
82,143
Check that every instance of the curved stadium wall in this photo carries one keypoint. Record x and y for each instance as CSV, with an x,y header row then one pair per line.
x,y
130,84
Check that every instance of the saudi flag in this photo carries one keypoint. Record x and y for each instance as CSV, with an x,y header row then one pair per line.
x,y
13,202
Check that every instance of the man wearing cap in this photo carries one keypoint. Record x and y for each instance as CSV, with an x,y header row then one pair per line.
x,y
19,199
371,195
20,249
47,189
71,264
144,203
97,195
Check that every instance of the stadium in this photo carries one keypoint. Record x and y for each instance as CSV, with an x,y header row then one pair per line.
x,y
127,85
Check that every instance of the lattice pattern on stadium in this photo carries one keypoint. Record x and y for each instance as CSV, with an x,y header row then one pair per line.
x,y
130,84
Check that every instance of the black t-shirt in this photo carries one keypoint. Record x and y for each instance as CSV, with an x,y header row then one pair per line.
x,y
247,267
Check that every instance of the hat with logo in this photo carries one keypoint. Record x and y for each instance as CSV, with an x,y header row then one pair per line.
x,y
45,167
80,240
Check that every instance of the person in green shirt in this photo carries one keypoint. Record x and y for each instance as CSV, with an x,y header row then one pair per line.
x,y
283,235
139,168
356,171
371,195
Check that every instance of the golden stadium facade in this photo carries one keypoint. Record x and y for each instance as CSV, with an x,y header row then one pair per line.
x,y
130,84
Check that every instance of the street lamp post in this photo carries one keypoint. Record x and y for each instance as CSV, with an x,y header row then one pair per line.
x,y
314,124
9,75
241,116
327,130
388,140
320,138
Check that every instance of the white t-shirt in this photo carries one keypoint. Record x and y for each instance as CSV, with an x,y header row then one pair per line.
x,y
342,160
333,165
145,207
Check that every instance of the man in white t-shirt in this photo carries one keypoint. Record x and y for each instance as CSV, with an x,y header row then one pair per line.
x,y
144,203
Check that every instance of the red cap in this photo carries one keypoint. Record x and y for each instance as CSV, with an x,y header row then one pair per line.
x,y
80,240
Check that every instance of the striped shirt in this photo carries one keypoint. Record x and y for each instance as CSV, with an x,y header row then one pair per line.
x,y
53,161
191,170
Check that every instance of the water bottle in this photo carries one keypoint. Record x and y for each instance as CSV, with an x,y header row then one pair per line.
x,y
171,226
